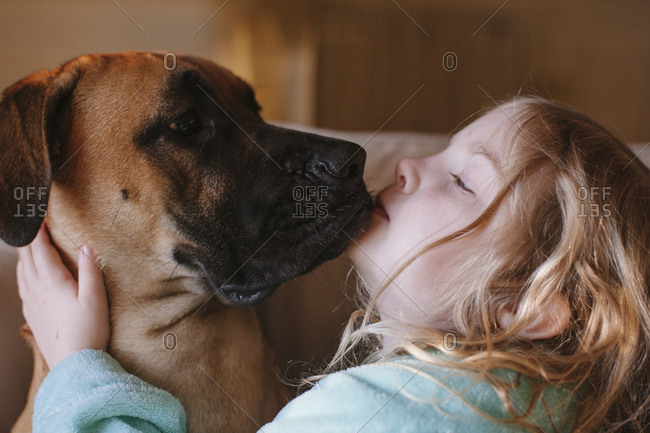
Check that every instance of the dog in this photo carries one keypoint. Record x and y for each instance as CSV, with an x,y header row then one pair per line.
x,y
196,210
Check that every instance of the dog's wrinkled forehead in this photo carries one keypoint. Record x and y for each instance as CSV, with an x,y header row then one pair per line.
x,y
198,76
203,87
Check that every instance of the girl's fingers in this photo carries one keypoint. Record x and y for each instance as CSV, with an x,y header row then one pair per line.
x,y
47,259
91,281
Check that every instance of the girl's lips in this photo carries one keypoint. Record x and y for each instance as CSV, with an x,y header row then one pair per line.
x,y
379,209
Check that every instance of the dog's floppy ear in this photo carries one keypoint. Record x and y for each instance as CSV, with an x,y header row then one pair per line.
x,y
30,115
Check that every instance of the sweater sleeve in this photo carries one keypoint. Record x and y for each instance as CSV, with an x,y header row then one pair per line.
x,y
90,390
387,398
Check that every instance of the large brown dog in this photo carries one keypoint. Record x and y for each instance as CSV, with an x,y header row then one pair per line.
x,y
194,206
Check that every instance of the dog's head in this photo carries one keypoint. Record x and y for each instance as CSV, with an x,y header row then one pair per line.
x,y
157,160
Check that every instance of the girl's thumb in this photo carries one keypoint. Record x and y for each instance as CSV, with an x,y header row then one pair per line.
x,y
91,281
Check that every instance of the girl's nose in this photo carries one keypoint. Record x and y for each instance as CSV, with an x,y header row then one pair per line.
x,y
406,175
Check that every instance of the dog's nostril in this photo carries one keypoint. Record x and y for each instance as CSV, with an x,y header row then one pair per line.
x,y
339,163
333,170
348,170
324,168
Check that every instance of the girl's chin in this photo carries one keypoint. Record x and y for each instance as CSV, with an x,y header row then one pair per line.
x,y
366,248
376,222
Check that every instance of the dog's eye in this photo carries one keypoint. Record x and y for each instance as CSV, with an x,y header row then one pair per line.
x,y
186,124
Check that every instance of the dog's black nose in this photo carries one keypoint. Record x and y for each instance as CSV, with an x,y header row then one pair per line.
x,y
339,162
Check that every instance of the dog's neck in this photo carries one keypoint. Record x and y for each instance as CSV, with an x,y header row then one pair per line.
x,y
178,337
137,283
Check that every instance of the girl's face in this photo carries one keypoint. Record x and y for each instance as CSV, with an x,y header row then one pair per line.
x,y
431,198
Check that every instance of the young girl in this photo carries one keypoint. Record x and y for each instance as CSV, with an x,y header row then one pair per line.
x,y
505,287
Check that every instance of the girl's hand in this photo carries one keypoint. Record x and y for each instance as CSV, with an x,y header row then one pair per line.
x,y
65,317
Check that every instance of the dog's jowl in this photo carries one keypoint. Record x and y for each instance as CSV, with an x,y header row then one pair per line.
x,y
195,209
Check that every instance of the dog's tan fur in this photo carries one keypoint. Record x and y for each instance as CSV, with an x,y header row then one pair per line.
x,y
221,365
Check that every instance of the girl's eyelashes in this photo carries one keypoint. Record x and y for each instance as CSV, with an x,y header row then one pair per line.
x,y
459,182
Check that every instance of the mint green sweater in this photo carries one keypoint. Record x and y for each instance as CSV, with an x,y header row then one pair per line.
x,y
91,390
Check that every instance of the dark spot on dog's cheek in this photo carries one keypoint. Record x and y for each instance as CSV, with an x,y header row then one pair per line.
x,y
125,194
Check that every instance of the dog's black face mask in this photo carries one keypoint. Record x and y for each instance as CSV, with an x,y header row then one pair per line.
x,y
256,204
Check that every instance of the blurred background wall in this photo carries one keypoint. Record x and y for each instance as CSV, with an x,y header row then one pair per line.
x,y
351,64
417,65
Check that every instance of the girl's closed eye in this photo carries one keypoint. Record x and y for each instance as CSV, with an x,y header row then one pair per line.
x,y
459,182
